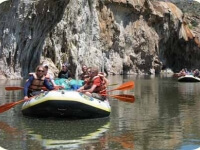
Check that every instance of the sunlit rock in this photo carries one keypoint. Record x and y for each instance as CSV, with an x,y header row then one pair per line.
x,y
136,36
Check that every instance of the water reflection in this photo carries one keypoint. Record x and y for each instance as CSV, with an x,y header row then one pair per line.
x,y
61,134
9,96
7,128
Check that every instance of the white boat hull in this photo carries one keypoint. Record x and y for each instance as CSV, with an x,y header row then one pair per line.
x,y
188,78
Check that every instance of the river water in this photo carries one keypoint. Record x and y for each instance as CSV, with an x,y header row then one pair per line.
x,y
164,116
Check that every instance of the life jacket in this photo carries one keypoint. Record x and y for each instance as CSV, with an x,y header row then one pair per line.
x,y
103,77
37,83
46,77
99,89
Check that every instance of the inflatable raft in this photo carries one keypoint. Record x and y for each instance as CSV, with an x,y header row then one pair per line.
x,y
68,104
188,78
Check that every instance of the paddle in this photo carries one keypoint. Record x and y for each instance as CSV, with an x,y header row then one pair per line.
x,y
13,88
123,97
125,86
8,106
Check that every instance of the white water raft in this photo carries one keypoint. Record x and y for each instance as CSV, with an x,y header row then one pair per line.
x,y
68,104
188,78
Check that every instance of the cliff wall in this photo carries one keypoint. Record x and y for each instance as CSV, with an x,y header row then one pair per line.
x,y
118,36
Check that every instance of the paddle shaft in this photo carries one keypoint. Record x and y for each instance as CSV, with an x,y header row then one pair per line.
x,y
13,88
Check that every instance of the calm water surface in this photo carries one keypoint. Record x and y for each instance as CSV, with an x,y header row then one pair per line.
x,y
165,116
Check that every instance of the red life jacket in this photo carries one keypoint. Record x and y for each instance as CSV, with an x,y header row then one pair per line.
x,y
102,76
99,89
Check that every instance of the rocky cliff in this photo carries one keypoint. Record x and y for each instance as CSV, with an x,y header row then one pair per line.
x,y
118,36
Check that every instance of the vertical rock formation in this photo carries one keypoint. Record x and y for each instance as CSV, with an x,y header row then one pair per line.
x,y
121,37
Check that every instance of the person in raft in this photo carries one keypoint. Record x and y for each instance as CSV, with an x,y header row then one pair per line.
x,y
102,75
87,75
84,73
47,75
65,72
34,84
95,87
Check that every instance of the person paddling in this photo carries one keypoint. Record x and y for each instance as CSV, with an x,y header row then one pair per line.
x,y
34,84
95,86
196,73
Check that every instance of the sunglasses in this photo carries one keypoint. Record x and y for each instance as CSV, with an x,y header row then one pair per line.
x,y
40,70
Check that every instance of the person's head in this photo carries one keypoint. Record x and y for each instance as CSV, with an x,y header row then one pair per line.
x,y
39,71
45,69
84,68
64,67
94,72
89,70
102,74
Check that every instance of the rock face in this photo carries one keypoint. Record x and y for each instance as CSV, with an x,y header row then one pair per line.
x,y
118,36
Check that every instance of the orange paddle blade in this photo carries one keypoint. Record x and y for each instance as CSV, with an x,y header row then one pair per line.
x,y
12,88
8,106
124,97
125,86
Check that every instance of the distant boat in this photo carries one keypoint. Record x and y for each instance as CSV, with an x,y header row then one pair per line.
x,y
197,0
188,78
177,75
1,1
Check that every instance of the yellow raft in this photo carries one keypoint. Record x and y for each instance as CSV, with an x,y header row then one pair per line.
x,y
68,104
